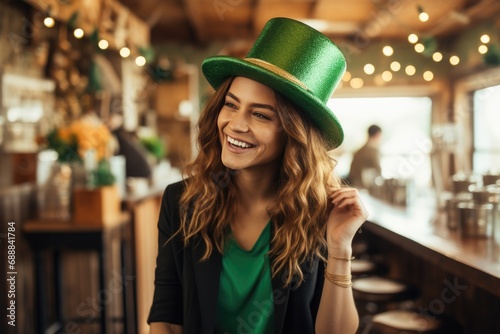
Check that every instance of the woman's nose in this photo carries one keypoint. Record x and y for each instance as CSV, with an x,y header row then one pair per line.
x,y
239,122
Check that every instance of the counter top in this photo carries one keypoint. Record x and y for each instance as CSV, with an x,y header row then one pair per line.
x,y
421,229
154,191
47,226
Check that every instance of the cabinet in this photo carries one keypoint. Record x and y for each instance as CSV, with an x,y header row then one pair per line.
x,y
111,304
26,111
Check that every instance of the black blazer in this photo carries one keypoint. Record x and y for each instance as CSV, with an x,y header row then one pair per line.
x,y
186,289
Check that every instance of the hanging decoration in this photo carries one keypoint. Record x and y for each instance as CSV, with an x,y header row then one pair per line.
x,y
492,56
147,52
430,46
73,20
95,79
104,26
110,19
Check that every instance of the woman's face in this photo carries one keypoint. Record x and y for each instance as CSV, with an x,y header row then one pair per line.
x,y
250,129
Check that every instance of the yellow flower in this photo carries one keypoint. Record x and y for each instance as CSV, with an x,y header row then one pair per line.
x,y
90,134
65,134
94,136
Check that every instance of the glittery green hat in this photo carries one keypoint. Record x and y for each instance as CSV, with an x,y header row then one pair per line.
x,y
295,60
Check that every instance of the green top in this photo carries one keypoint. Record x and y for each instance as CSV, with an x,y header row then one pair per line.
x,y
245,303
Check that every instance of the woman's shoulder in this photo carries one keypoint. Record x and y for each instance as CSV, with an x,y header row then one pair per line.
x,y
172,195
176,188
169,208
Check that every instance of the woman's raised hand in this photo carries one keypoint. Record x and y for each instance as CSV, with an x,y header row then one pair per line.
x,y
346,217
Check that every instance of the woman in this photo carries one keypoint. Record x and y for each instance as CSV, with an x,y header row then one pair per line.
x,y
248,238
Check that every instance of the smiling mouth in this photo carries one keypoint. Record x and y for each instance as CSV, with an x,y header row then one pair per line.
x,y
239,144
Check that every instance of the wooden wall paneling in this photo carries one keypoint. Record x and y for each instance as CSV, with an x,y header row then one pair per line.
x,y
177,135
177,128
17,204
170,94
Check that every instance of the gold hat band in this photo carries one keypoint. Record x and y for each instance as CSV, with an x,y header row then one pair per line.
x,y
276,70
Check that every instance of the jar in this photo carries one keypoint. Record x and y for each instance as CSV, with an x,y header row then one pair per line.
x,y
398,191
54,196
461,182
443,199
453,212
481,195
476,220
489,179
494,191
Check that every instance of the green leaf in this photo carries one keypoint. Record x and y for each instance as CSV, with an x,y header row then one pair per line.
x,y
67,152
492,56
155,146
102,175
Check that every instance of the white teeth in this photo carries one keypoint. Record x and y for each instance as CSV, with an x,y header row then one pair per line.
x,y
238,143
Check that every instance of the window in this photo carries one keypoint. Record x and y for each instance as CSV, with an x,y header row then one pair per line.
x,y
486,156
406,128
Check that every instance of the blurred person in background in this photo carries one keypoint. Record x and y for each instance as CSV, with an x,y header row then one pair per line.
x,y
365,165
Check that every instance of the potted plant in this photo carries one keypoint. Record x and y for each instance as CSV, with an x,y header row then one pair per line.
x,y
86,145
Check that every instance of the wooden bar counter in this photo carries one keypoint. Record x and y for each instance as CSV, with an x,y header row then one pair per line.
x,y
457,276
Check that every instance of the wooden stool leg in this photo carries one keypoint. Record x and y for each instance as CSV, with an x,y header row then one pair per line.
x,y
40,296
58,287
102,292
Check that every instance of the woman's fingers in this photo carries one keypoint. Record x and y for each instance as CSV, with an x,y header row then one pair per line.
x,y
348,197
346,201
342,194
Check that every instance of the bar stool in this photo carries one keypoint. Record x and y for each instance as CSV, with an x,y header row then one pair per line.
x,y
382,290
360,247
367,267
411,322
363,247
374,294
366,260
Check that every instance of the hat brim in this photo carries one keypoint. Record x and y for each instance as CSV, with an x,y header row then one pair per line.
x,y
217,69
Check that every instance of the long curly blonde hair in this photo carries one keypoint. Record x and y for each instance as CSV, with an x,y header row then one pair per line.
x,y
303,184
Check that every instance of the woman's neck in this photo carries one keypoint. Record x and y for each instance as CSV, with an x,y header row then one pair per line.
x,y
255,195
254,187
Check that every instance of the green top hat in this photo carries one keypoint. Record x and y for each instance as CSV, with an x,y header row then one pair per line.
x,y
295,60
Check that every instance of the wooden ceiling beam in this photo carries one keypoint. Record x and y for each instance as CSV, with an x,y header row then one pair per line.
x,y
202,22
195,18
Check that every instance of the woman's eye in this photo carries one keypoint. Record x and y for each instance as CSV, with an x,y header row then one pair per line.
x,y
230,105
259,115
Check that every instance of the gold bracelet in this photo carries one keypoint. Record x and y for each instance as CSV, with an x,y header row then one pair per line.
x,y
344,281
343,258
344,278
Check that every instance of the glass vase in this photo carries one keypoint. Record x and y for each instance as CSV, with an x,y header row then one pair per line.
x,y
54,196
